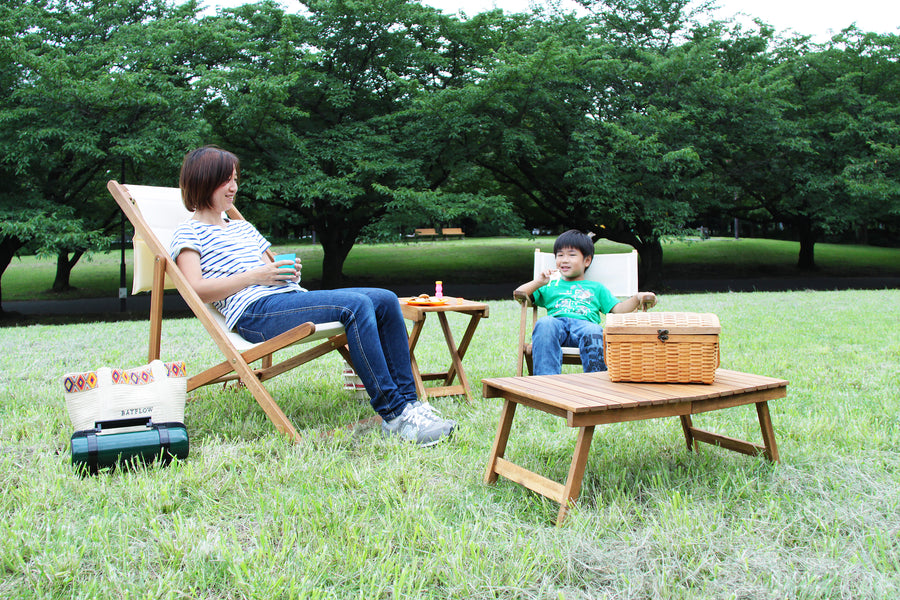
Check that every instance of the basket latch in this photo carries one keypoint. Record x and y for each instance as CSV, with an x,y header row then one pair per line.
x,y
662,335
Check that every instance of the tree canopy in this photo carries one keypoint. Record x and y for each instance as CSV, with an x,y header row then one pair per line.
x,y
638,120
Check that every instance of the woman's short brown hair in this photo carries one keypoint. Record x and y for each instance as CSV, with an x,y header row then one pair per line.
x,y
202,172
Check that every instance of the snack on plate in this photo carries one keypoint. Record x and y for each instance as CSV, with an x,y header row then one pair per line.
x,y
423,297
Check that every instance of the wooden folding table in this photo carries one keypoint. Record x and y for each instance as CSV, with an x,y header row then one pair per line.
x,y
585,400
417,313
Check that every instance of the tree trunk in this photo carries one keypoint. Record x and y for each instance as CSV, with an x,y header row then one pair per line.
x,y
332,268
335,252
806,260
650,254
64,266
8,248
650,268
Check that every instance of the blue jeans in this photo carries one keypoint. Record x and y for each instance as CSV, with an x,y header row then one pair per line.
x,y
552,333
376,335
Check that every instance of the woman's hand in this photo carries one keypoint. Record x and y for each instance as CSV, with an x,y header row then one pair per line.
x,y
298,266
277,273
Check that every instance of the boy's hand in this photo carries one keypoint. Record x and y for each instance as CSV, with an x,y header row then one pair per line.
x,y
646,300
527,289
545,277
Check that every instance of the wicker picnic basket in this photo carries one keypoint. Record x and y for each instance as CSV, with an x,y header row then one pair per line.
x,y
664,347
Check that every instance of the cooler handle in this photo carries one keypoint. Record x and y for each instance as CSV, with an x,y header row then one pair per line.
x,y
120,423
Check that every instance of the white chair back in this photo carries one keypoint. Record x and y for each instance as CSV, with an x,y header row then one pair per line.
x,y
163,210
618,272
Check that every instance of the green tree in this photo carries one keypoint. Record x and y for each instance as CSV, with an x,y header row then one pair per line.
x,y
319,108
844,100
96,89
518,120
829,162
566,124
698,104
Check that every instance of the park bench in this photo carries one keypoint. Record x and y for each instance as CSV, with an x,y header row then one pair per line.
x,y
425,233
452,232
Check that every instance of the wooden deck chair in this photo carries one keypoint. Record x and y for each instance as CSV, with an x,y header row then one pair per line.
x,y
155,212
618,272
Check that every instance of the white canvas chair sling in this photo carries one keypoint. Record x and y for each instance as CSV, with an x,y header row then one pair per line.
x,y
618,272
155,212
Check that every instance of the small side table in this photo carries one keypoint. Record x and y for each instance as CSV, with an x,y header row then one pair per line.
x,y
417,314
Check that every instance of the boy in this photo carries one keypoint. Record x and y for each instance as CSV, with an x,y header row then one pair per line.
x,y
574,305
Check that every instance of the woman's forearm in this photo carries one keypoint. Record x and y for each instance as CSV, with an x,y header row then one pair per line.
x,y
211,289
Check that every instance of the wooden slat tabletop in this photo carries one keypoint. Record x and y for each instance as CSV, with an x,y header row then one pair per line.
x,y
415,312
594,392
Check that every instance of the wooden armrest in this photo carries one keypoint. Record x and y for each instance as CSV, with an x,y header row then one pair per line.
x,y
522,297
291,336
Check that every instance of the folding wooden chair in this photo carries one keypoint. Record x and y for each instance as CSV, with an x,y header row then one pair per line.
x,y
155,212
618,272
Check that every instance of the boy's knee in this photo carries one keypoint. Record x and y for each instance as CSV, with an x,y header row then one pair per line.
x,y
546,324
593,339
546,330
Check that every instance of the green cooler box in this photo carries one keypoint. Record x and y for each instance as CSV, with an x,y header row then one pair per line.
x,y
116,443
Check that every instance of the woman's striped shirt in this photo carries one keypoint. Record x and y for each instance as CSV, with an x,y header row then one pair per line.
x,y
235,248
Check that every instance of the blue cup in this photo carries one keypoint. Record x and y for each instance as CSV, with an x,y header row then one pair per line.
x,y
290,257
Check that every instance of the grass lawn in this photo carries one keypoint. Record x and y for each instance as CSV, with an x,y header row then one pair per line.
x,y
347,514
482,260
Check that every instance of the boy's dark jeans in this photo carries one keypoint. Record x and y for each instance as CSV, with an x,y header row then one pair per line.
x,y
552,333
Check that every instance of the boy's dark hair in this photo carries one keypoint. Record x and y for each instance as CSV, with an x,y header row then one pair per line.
x,y
575,239
202,171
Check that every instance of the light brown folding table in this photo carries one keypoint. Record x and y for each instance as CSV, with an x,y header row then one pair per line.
x,y
417,314
585,400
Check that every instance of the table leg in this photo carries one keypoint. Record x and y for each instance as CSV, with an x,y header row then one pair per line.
x,y
576,471
499,448
456,368
768,432
464,343
686,425
413,340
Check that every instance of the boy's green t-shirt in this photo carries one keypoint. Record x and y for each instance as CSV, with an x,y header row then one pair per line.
x,y
583,299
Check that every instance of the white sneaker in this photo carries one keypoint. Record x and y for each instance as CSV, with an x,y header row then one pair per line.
x,y
417,423
449,424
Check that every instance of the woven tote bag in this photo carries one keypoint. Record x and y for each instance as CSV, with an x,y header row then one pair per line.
x,y
156,391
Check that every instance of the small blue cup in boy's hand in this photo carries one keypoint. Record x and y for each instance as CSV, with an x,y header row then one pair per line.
x,y
290,257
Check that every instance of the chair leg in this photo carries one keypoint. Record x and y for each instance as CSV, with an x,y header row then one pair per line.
x,y
523,324
156,308
266,401
344,351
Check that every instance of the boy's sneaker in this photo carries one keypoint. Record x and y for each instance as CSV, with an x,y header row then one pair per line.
x,y
417,423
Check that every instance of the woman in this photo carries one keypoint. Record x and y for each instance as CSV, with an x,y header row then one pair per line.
x,y
226,263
